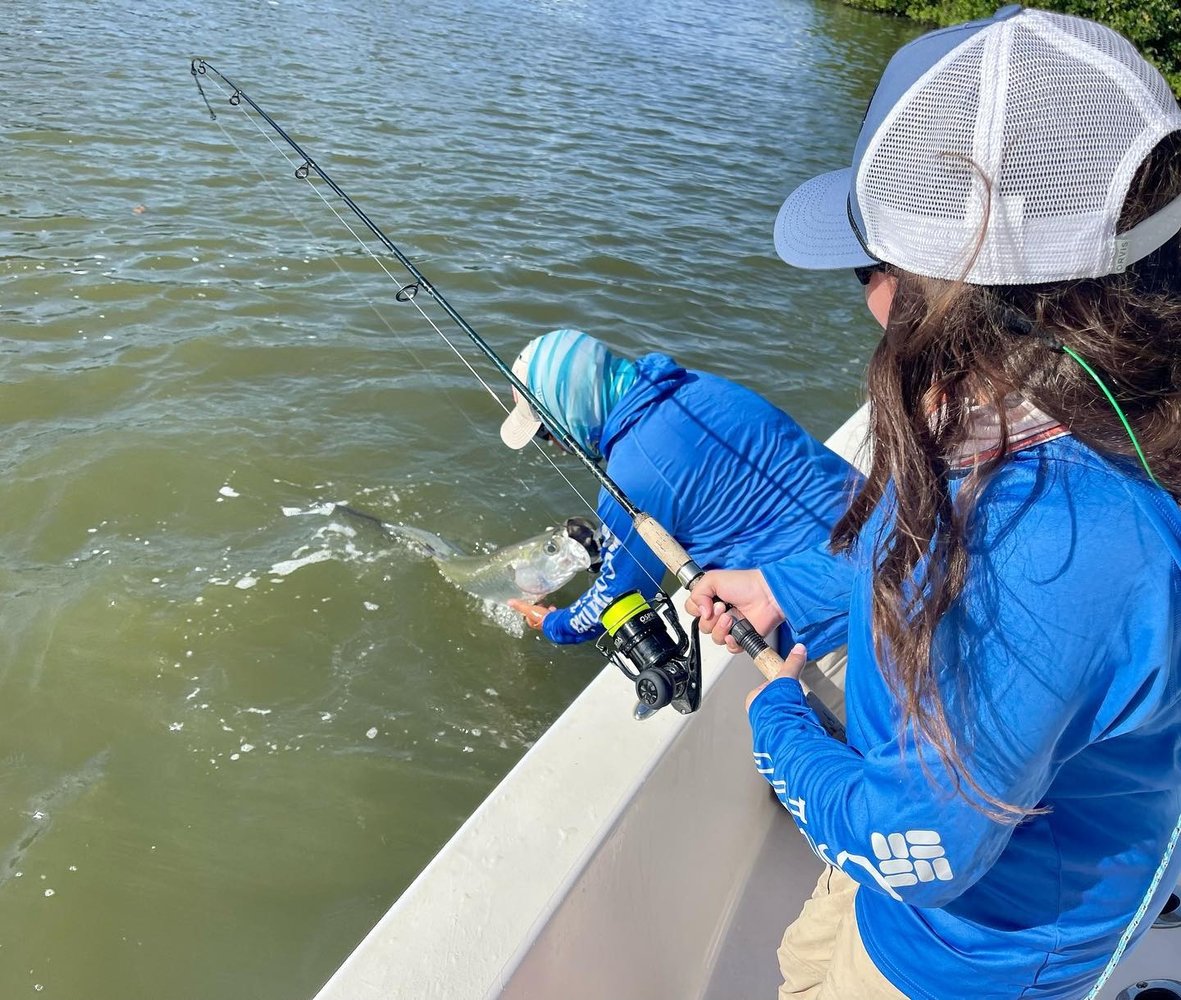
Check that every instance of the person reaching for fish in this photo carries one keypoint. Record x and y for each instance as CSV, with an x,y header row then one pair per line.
x,y
729,475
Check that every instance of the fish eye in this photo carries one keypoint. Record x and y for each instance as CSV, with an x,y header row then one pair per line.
x,y
550,548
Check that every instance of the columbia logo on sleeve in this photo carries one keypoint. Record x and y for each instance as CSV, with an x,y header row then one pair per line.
x,y
900,859
911,857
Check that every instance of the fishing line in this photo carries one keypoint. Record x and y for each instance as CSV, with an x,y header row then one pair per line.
x,y
407,292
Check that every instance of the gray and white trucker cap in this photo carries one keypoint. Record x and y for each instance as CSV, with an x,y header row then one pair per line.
x,y
996,152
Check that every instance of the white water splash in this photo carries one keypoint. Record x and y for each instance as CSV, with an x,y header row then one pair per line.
x,y
323,509
289,566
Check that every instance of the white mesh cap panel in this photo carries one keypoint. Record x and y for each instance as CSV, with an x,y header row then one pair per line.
x,y
915,186
1008,161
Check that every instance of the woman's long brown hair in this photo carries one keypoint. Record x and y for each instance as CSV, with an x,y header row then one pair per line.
x,y
947,348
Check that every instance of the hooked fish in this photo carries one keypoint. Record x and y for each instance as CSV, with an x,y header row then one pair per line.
x,y
527,570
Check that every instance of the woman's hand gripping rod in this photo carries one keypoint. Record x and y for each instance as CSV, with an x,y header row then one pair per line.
x,y
687,572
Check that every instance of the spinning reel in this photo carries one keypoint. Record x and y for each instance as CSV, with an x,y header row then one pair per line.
x,y
653,652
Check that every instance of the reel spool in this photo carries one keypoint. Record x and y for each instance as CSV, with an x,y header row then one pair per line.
x,y
647,642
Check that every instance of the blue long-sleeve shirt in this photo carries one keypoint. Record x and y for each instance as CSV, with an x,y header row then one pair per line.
x,y
1061,676
734,479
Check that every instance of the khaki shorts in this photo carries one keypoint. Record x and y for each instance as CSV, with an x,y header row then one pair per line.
x,y
825,678
822,957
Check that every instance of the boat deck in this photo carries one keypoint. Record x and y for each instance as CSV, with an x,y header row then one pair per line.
x,y
745,965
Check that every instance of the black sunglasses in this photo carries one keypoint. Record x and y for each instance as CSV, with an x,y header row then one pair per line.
x,y
864,274
542,434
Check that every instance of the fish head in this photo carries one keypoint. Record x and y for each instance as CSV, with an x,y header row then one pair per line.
x,y
548,562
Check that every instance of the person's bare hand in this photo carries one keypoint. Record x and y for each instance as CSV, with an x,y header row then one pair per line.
x,y
746,590
791,668
534,613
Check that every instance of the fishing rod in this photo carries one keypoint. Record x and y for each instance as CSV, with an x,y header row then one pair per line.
x,y
665,668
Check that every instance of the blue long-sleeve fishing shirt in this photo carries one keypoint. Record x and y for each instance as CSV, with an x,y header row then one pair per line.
x,y
1061,676
734,479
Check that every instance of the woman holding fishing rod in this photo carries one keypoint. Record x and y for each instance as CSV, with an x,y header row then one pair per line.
x,y
1002,821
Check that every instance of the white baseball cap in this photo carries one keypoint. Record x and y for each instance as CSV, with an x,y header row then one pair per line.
x,y
522,422
997,152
